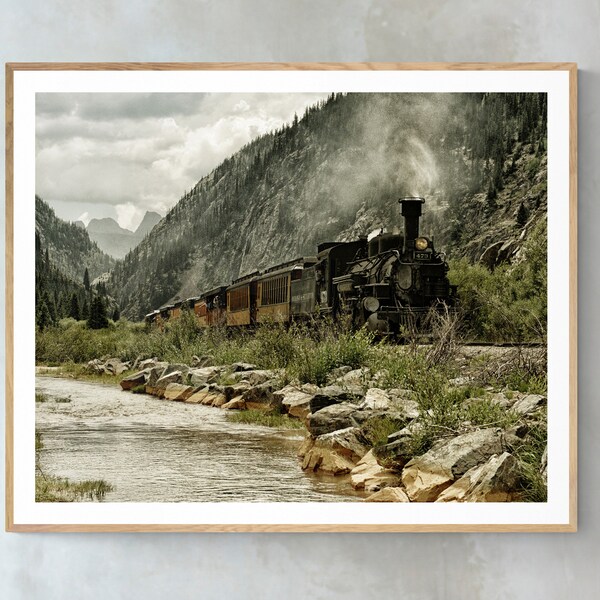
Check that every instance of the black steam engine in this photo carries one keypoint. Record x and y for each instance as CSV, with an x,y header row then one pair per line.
x,y
388,282
396,285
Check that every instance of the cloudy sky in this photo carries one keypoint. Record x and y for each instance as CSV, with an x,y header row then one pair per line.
x,y
119,155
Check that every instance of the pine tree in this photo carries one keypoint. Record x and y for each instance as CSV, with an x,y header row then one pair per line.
x,y
86,280
97,318
522,215
43,319
74,311
116,314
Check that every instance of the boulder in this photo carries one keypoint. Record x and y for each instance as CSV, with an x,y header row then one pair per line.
x,y
213,399
231,391
198,395
389,494
260,397
155,373
139,378
172,367
256,377
375,399
494,481
427,476
370,476
330,395
294,401
219,400
115,366
95,366
236,403
336,453
354,377
204,375
334,417
178,392
529,404
164,380
150,363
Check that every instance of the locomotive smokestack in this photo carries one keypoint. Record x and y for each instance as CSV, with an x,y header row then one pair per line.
x,y
411,211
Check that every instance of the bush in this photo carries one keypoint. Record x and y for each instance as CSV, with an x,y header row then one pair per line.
x,y
509,303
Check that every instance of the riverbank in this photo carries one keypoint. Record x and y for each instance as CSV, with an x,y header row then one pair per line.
x,y
410,431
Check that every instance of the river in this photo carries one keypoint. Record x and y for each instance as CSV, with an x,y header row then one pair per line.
x,y
153,450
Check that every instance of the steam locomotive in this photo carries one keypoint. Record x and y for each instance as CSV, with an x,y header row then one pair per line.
x,y
388,282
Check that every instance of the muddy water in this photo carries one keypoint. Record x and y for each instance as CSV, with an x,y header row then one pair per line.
x,y
152,450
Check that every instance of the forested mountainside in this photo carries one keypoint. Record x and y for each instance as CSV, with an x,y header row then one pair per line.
x,y
336,173
68,245
116,241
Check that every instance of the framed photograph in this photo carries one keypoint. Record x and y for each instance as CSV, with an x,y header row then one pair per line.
x,y
291,297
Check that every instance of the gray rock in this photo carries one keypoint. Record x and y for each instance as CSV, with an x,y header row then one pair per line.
x,y
257,377
294,401
115,366
529,404
261,397
335,453
139,378
375,399
426,476
332,394
205,375
231,391
334,417
493,481
164,380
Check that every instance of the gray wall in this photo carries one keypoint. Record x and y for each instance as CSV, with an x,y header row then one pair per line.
x,y
424,566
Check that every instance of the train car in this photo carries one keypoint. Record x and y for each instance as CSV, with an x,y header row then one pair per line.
x,y
273,299
150,318
241,301
212,307
175,310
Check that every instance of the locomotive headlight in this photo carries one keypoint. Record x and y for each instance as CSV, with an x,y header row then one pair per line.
x,y
371,304
421,243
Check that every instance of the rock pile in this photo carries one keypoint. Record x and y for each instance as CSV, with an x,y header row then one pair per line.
x,y
471,465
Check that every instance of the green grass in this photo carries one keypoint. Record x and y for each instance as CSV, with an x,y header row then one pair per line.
x,y
56,489
529,456
264,418
377,429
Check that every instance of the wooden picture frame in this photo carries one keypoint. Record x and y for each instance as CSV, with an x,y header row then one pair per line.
x,y
558,80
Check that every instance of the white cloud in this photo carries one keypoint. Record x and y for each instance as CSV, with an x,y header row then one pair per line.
x,y
119,155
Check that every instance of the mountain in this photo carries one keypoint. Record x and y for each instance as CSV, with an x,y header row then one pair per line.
x,y
336,173
148,222
69,246
116,240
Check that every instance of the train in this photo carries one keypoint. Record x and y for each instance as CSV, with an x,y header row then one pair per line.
x,y
386,282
